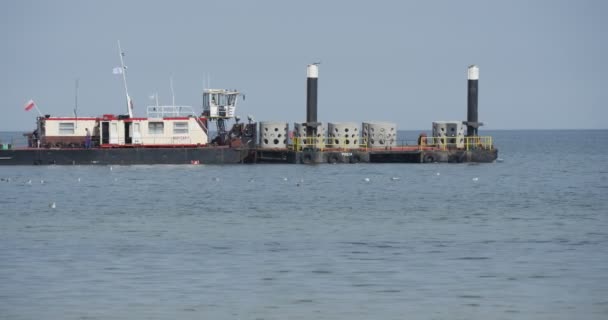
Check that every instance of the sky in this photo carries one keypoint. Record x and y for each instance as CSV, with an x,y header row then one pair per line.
x,y
542,63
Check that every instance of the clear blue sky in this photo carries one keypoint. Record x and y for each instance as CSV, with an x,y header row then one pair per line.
x,y
542,63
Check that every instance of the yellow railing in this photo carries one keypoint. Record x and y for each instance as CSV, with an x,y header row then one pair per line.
x,y
442,143
468,143
479,142
325,143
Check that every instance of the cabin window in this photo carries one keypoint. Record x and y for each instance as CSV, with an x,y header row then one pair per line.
x,y
156,127
66,128
180,128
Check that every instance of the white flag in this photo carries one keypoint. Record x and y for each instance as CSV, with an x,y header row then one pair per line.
x,y
117,70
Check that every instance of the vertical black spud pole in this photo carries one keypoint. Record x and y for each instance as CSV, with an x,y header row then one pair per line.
x,y
472,116
312,78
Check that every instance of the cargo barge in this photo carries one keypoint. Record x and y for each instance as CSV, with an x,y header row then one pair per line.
x,y
178,135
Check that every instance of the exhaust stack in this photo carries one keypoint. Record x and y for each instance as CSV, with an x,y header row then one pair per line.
x,y
312,77
472,122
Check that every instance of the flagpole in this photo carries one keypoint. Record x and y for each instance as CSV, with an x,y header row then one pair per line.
x,y
40,113
76,101
172,92
124,79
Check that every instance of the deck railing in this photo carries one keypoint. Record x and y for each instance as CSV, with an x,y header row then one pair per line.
x,y
425,143
169,111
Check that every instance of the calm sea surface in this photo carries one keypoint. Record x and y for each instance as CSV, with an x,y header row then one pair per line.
x,y
523,238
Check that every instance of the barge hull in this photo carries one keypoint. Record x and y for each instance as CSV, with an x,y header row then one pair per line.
x,y
223,155
124,156
388,156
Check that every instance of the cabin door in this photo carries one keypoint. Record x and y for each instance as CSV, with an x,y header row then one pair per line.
x,y
105,132
136,133
113,133
128,133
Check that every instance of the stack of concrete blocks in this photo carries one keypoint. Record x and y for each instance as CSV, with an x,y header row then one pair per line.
x,y
379,134
449,134
273,135
300,133
343,135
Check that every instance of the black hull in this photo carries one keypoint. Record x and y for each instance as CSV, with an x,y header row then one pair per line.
x,y
388,156
225,155
124,156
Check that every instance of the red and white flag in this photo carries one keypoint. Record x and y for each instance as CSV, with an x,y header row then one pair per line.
x,y
30,105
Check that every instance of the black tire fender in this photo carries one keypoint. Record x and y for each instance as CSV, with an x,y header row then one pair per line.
x,y
332,158
306,158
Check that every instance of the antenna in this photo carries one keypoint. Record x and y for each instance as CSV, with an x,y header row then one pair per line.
x,y
154,97
76,101
172,92
124,79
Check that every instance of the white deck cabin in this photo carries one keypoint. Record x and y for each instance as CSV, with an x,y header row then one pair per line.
x,y
164,126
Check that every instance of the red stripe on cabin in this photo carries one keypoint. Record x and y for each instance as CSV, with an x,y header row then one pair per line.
x,y
135,119
70,119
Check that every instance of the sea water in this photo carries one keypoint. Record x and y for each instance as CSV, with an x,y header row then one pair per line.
x,y
523,238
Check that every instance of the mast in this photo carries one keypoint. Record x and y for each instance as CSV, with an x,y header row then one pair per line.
x,y
172,92
124,79
76,101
